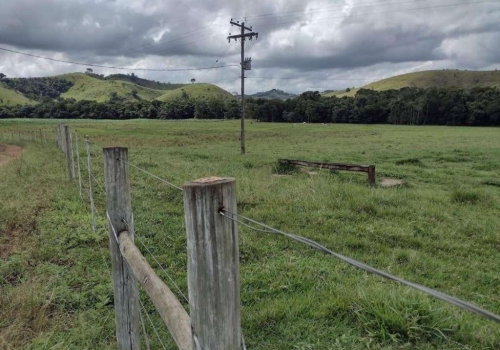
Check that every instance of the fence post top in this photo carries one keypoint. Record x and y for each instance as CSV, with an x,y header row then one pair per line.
x,y
110,150
209,181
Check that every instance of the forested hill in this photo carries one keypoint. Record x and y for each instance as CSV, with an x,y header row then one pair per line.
x,y
94,87
430,79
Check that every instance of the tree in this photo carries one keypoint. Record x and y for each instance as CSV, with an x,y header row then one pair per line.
x,y
134,93
193,81
2,76
89,71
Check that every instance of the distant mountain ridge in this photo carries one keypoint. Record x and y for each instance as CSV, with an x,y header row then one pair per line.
x,y
273,94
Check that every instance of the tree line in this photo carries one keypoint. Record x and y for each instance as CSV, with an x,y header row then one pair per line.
x,y
38,89
408,106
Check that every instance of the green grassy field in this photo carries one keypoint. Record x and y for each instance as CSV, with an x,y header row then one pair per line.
x,y
196,91
433,78
9,97
440,229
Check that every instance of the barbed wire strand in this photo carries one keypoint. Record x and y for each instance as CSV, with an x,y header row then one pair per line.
x,y
159,264
439,295
142,306
146,337
153,175
152,325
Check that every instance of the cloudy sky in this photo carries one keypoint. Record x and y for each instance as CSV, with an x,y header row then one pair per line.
x,y
302,45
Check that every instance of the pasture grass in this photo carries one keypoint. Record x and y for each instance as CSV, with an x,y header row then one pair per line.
x,y
440,230
196,91
88,88
10,97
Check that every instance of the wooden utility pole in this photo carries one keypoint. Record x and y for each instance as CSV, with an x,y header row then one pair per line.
x,y
119,211
213,264
245,65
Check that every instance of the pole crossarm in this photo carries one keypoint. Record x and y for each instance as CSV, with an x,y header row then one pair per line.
x,y
246,35
238,24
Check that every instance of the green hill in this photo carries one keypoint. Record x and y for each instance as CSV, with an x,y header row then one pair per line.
x,y
134,79
433,78
196,91
89,88
10,97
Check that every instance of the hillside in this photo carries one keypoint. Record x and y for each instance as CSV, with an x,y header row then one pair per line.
x,y
88,88
196,91
274,94
429,79
134,79
9,97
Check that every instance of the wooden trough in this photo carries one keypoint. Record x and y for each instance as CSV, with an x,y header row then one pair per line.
x,y
369,169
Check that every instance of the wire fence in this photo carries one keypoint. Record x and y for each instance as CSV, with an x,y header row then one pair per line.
x,y
244,221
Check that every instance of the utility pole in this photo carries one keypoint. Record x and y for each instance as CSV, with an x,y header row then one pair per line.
x,y
246,64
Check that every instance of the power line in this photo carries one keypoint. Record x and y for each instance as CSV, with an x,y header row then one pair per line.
x,y
305,78
439,295
303,12
322,10
383,12
113,67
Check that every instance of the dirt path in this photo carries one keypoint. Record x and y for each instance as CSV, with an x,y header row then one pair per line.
x,y
8,152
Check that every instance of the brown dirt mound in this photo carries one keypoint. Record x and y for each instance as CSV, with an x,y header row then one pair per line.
x,y
8,152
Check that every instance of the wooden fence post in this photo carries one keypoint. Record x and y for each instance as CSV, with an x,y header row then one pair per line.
x,y
213,264
119,209
91,191
371,175
78,164
69,153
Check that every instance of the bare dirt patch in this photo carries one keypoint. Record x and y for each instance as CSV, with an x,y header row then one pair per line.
x,y
8,152
391,182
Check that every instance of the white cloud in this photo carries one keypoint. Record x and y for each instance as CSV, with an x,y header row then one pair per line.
x,y
309,40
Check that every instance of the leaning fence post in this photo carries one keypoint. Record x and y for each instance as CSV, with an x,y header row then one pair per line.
x,y
78,164
213,264
371,175
91,191
69,153
119,211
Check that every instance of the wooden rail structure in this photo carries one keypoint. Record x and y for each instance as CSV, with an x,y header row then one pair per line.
x,y
213,264
369,169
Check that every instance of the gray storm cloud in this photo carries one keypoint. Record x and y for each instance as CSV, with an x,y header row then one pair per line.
x,y
311,41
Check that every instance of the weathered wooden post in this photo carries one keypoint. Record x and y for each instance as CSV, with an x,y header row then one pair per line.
x,y
69,153
91,191
119,209
371,175
78,164
213,264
